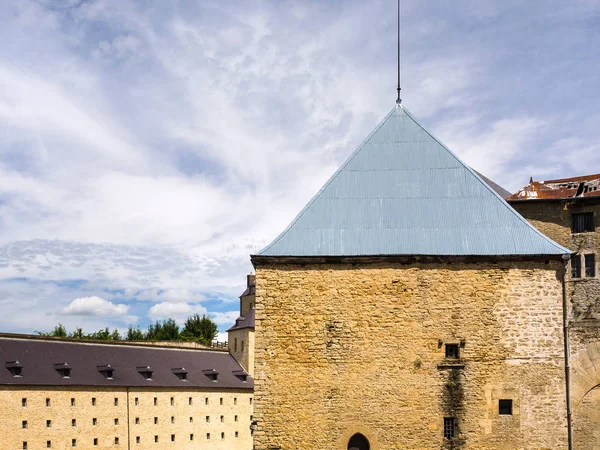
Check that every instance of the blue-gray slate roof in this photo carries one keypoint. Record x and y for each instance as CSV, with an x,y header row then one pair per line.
x,y
403,192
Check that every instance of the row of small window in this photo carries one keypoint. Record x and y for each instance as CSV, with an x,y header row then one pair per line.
x,y
589,262
25,424
235,342
505,408
137,401
138,440
582,222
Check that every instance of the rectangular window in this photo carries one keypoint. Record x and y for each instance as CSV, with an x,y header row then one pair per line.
x,y
73,442
24,424
235,418
172,438
206,401
250,400
191,420
191,437
156,439
23,402
242,344
222,435
94,421
72,402
155,401
222,419
505,407
95,441
93,401
190,401
137,401
48,424
24,445
236,434
449,427
48,444
172,401
137,439
116,441
116,421
116,401
137,420
590,265
207,419
156,421
47,403
172,419
235,344
207,435
576,266
582,222
73,422
235,400
221,401
452,351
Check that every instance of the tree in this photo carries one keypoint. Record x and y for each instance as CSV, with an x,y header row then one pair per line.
x,y
167,330
77,334
135,334
59,331
199,329
115,335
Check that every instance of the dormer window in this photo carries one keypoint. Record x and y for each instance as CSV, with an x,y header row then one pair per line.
x,y
63,369
107,371
145,371
15,367
242,375
212,374
180,373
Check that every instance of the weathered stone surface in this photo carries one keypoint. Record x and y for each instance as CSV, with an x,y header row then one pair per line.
x,y
348,348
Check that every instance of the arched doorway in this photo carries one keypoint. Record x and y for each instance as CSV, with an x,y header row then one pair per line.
x,y
358,442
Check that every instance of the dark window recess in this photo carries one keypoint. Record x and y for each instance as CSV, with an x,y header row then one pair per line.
x,y
590,265
24,445
576,266
505,407
452,351
48,444
180,373
582,222
95,441
15,368
107,371
241,375
145,371
137,439
449,427
63,369
212,374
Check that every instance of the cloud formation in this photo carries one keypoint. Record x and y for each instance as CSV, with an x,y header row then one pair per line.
x,y
95,306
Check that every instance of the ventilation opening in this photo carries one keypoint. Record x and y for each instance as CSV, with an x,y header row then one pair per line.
x,y
107,371
63,369
145,371
241,375
358,442
180,373
212,374
15,368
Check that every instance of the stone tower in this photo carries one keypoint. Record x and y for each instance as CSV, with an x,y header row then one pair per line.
x,y
408,306
241,335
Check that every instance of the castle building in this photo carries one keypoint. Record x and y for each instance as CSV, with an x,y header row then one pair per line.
x,y
568,211
240,336
408,306
64,393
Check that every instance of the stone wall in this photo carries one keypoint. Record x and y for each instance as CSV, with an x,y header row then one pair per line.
x,y
124,418
241,347
344,348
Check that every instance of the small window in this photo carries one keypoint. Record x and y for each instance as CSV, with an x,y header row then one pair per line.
x,y
207,419
172,438
73,442
207,435
48,424
449,427
73,422
94,421
250,400
172,419
23,402
206,401
116,421
156,439
137,439
222,419
452,351
63,369
116,401
222,435
242,346
116,441
48,444
137,401
155,401
137,420
505,407
221,401
15,368
156,421
95,441
172,401
190,401
583,222
235,419
24,445
590,265
191,437
236,434
93,401
47,403
576,266
235,400
72,402
235,344
191,420
24,424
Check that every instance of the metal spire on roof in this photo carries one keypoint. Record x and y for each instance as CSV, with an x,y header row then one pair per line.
x,y
398,100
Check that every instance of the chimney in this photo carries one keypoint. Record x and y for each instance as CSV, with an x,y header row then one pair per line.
x,y
251,279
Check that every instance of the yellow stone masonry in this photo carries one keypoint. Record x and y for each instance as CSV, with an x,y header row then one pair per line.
x,y
350,348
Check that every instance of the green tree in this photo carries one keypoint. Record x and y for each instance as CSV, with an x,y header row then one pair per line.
x,y
59,331
115,335
101,335
199,329
166,330
77,334
135,334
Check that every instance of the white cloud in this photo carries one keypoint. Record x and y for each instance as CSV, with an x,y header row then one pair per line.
x,y
225,319
177,311
95,306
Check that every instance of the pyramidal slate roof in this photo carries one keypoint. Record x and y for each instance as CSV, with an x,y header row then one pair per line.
x,y
403,192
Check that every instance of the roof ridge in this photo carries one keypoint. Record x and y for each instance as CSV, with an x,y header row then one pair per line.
x,y
487,186
330,180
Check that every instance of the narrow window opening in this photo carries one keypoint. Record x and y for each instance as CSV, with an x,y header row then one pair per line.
x,y
505,407
137,401
48,424
222,419
235,400
155,401
116,441
156,421
137,439
48,444
24,445
47,403
576,266
590,265
172,401
95,441
191,437
242,346
235,418
73,422
235,344
24,402
93,401
449,427
206,401
24,424
222,435
452,351
72,402
137,420
116,421
172,438
207,435
221,401
156,439
94,421
207,419
190,401
172,419
73,442
191,420
236,434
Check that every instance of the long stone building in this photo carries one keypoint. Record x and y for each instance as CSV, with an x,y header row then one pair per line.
x,y
57,393
408,306
568,211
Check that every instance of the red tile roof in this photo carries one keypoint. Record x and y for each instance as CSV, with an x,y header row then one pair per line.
x,y
576,187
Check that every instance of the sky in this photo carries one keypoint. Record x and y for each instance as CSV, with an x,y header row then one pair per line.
x,y
147,148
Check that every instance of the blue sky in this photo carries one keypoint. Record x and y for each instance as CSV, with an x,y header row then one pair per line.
x,y
147,148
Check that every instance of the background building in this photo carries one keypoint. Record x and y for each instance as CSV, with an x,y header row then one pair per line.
x,y
57,393
240,336
568,211
408,306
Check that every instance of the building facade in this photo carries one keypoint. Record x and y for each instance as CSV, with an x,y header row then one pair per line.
x,y
568,211
240,336
409,307
70,394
